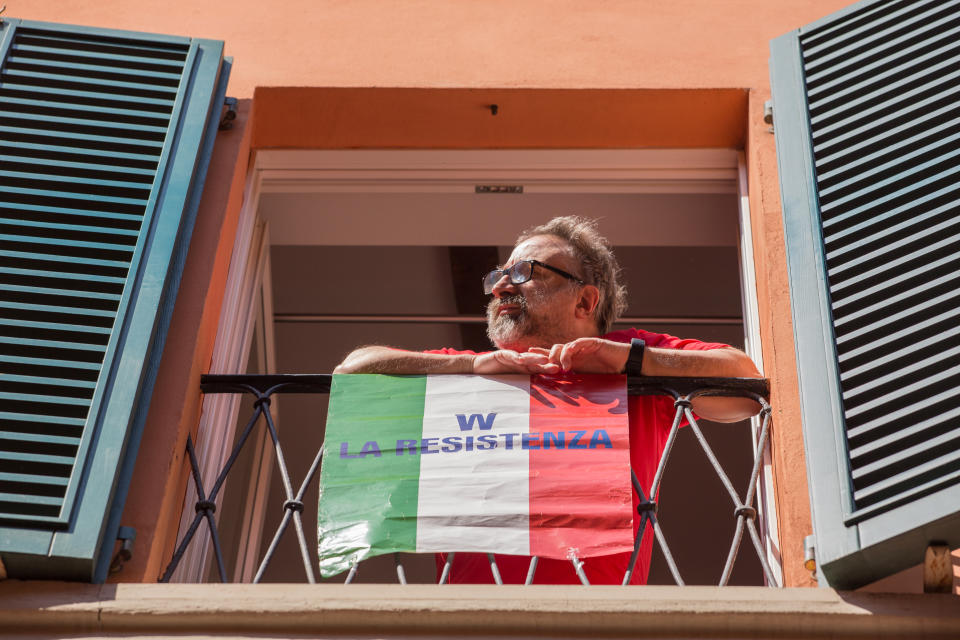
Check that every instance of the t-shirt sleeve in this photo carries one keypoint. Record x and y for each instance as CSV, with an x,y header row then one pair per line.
x,y
664,340
447,351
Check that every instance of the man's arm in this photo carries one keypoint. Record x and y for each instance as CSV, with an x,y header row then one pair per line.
x,y
378,359
596,355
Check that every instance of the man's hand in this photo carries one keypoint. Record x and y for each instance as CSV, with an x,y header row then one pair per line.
x,y
587,355
507,361
596,355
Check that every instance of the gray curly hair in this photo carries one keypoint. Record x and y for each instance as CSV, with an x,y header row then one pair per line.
x,y
599,264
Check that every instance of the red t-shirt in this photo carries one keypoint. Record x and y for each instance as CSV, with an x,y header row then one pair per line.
x,y
650,419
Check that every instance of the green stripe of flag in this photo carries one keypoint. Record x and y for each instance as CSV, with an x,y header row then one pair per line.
x,y
392,406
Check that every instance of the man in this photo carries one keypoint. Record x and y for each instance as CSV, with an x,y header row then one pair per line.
x,y
553,305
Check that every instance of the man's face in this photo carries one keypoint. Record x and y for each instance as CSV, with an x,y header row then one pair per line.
x,y
539,312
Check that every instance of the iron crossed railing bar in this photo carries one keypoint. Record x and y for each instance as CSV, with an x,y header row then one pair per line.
x,y
683,390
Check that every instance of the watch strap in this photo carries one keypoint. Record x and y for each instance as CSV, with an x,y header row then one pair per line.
x,y
635,358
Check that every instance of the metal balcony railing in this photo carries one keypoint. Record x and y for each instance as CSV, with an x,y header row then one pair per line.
x,y
683,390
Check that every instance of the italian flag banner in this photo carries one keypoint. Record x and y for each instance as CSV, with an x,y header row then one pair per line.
x,y
519,465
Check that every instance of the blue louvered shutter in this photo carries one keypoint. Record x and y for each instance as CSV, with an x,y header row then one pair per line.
x,y
866,110
104,141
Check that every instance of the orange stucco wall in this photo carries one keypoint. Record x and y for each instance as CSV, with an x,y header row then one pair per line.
x,y
690,73
160,476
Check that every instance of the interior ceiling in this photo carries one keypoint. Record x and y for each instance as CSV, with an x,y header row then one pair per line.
x,y
464,219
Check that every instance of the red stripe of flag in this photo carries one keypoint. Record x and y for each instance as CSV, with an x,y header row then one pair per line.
x,y
580,498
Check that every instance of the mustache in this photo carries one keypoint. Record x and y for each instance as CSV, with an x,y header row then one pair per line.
x,y
515,299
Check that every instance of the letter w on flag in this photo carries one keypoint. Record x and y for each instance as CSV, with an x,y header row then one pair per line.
x,y
466,422
505,497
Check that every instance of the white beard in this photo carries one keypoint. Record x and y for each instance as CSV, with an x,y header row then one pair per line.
x,y
525,329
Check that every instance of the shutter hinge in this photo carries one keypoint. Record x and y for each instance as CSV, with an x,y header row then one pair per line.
x,y
768,113
810,555
229,114
126,536
937,568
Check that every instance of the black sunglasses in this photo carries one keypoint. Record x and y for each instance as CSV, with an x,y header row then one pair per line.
x,y
519,273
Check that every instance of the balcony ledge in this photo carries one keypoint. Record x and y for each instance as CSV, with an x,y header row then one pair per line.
x,y
55,609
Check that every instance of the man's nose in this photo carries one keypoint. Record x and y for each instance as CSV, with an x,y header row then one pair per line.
x,y
503,287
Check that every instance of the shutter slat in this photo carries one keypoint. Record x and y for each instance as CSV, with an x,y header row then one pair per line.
x,y
42,400
894,151
34,51
897,271
845,57
101,45
908,457
877,28
73,423
943,469
55,484
89,83
881,424
886,187
49,362
52,344
891,97
40,440
73,99
908,47
880,306
73,139
110,267
63,275
6,458
97,315
27,499
81,385
883,342
924,199
124,233
95,66
28,119
38,165
838,258
78,244
114,159
854,140
906,384
96,332
905,372
85,112
60,185
819,33
941,423
39,212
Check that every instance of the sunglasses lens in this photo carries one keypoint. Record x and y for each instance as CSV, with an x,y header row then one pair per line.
x,y
490,280
521,272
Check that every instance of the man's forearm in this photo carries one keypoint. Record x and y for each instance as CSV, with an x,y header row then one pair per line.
x,y
712,363
397,361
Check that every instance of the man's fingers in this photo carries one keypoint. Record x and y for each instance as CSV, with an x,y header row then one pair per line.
x,y
567,354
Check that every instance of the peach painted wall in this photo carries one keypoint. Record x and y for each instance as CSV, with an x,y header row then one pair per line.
x,y
489,45
467,43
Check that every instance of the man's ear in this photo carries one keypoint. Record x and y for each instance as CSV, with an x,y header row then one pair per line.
x,y
587,301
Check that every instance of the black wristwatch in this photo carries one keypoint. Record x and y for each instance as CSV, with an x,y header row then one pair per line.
x,y
635,359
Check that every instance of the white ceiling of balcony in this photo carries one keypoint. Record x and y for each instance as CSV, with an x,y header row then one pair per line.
x,y
680,198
